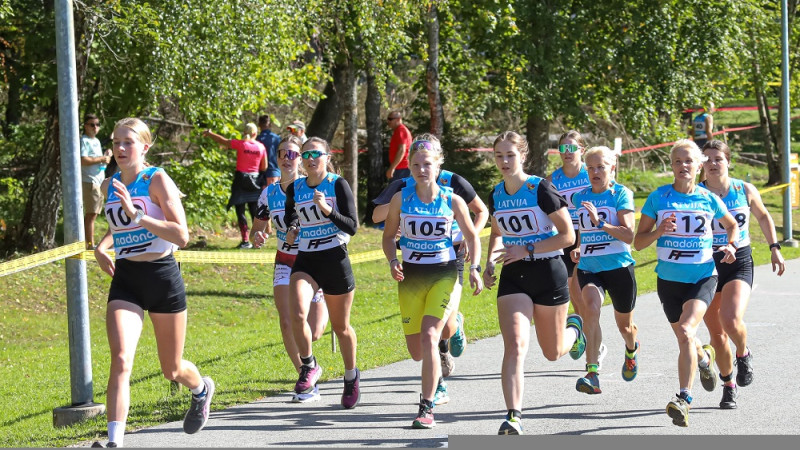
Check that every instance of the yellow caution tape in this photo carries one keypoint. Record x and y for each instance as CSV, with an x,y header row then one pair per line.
x,y
238,257
764,191
37,259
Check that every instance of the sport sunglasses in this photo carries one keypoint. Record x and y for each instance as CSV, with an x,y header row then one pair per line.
x,y
421,145
291,155
313,154
571,148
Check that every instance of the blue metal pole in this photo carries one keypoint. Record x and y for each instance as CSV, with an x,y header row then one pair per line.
x,y
785,136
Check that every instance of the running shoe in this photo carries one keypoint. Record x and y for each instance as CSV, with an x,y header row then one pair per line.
x,y
744,369
245,245
575,321
306,398
197,416
708,376
448,363
308,378
107,444
601,356
511,426
458,341
678,410
352,393
630,368
441,397
729,394
424,418
590,384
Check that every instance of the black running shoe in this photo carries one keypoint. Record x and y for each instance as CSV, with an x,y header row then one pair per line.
x,y
197,416
729,394
107,444
744,366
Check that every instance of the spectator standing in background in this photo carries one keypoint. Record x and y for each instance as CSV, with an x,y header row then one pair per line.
x,y
245,190
703,125
93,172
398,148
270,142
298,129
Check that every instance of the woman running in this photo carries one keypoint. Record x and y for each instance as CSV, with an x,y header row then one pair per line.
x,y
569,179
605,263
271,205
323,206
530,227
146,224
454,340
678,218
251,158
725,315
427,275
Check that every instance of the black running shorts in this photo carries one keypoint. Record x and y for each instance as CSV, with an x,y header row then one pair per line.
x,y
741,269
674,294
155,286
543,280
620,284
330,269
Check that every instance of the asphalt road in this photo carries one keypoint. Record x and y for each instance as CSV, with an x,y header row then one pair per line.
x,y
552,406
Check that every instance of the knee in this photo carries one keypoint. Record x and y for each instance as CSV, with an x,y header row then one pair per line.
x,y
516,349
686,334
317,333
341,329
121,365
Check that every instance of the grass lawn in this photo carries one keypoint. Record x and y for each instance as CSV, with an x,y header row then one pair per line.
x,y
233,334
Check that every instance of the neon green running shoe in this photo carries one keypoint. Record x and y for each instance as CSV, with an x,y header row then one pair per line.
x,y
630,368
575,321
708,375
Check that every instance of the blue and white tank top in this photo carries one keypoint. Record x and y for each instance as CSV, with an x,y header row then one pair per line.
x,y
426,235
685,255
317,232
599,250
131,238
443,181
736,202
699,124
520,217
274,199
568,187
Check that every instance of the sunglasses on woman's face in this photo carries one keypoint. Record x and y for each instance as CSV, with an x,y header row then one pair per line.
x,y
421,145
568,148
291,155
313,154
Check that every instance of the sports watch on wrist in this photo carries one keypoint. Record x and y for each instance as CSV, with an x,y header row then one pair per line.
x,y
138,216
600,224
476,267
775,245
530,247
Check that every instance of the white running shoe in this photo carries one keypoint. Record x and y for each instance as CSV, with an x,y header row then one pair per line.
x,y
309,397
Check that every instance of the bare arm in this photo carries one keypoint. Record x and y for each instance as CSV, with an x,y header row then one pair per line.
x,y
398,158
471,238
646,235
165,194
481,214
388,239
767,226
217,138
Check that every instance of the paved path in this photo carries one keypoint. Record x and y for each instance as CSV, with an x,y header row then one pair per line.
x,y
552,405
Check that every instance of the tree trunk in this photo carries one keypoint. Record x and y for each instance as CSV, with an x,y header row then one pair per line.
x,y
432,72
328,112
372,113
537,136
769,137
37,229
350,107
13,106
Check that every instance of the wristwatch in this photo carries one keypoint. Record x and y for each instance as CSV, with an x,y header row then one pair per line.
x,y
775,245
476,267
530,247
600,224
138,216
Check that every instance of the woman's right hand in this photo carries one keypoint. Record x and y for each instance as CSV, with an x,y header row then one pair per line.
x,y
291,235
104,261
259,238
397,270
488,276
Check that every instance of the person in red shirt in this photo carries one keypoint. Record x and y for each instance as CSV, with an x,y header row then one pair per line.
x,y
251,158
398,148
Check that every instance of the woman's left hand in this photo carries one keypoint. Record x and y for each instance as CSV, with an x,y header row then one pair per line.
x,y
475,281
319,200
